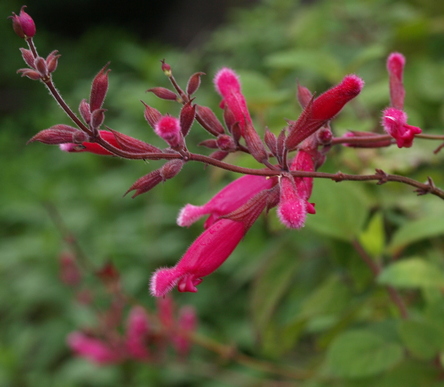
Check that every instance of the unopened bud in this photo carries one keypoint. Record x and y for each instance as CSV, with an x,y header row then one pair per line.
x,y
304,96
97,118
163,93
99,88
171,169
151,115
28,57
210,143
145,183
208,120
395,68
41,66
324,136
166,68
23,24
52,61
132,144
57,134
187,115
254,143
85,111
193,83
271,141
226,143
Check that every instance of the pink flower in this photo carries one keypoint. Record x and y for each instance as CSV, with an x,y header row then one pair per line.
x,y
322,109
93,349
394,122
227,200
228,86
206,254
395,68
168,129
292,209
136,334
23,24
211,248
92,147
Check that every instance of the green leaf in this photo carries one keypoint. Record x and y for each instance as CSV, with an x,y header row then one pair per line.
x,y
412,273
360,353
373,237
423,338
341,209
415,231
319,62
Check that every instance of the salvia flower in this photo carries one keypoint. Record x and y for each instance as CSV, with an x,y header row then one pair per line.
x,y
93,349
168,129
394,119
92,147
225,201
292,209
394,122
210,249
23,24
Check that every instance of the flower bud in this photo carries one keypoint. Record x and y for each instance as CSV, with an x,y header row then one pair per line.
x,y
152,115
168,128
193,83
97,118
208,120
31,74
187,115
304,96
226,143
132,144
57,134
99,89
163,93
23,24
292,208
171,169
145,183
166,68
52,61
28,57
85,111
395,68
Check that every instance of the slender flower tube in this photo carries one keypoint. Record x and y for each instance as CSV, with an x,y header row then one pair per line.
x,y
211,248
292,209
227,200
322,109
206,254
395,68
92,147
93,349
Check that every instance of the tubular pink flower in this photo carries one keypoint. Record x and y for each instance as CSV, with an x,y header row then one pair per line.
x,y
136,333
228,86
292,209
93,349
205,255
168,129
395,68
394,122
92,147
227,200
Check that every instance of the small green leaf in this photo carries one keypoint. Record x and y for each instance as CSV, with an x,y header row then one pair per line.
x,y
373,237
412,273
422,338
415,231
360,353
341,209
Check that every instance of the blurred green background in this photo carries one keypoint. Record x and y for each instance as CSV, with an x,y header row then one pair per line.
x,y
284,296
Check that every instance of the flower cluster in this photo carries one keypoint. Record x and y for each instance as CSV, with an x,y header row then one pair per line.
x,y
288,160
145,336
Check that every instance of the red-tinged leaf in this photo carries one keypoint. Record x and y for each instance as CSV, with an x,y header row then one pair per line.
x,y
163,93
187,115
99,88
194,83
208,120
132,144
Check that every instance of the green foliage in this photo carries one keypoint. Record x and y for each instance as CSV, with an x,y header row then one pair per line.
x,y
303,300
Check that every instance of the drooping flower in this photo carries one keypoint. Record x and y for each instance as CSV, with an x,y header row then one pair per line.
x,y
210,249
93,349
225,201
394,122
168,129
